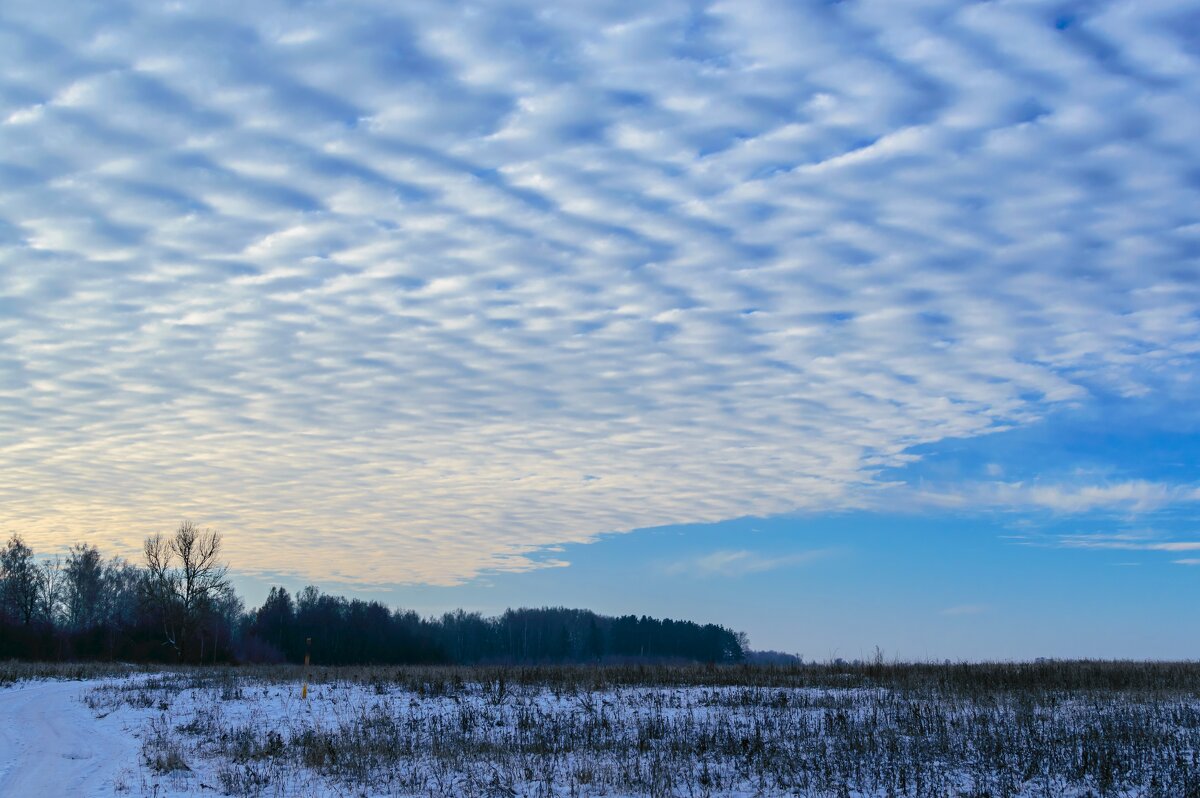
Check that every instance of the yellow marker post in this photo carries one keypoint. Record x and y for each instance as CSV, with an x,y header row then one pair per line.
x,y
307,654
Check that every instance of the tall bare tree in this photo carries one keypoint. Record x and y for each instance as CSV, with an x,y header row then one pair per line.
x,y
185,582
84,588
51,586
19,581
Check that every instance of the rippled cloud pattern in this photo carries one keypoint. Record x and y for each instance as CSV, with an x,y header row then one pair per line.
x,y
403,292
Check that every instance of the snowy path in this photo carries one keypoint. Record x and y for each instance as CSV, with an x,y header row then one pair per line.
x,y
52,745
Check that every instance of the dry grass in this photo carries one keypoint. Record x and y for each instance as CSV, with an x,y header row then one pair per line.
x,y
15,671
994,730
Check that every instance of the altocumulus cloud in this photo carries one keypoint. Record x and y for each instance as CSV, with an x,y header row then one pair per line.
x,y
404,292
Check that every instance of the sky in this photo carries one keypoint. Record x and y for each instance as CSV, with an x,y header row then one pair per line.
x,y
842,323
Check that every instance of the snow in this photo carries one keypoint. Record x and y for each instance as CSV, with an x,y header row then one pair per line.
x,y
98,737
51,744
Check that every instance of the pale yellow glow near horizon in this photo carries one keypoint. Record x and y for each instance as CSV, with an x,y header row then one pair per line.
x,y
437,522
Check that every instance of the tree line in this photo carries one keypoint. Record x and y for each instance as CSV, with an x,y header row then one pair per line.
x,y
178,605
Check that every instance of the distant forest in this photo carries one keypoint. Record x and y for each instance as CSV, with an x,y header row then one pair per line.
x,y
178,606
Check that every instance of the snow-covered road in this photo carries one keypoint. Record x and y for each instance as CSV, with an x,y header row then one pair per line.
x,y
52,745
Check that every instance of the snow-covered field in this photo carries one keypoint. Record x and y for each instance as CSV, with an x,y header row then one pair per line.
x,y
225,731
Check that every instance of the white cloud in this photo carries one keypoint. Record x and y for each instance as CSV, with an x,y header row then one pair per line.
x,y
1131,540
1103,542
373,287
742,562
1134,496
1138,493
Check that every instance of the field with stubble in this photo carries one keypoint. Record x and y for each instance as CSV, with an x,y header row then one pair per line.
x,y
1040,729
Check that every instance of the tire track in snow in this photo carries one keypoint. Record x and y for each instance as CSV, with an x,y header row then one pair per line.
x,y
51,744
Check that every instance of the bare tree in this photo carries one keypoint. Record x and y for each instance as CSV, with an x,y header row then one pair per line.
x,y
185,580
84,588
19,580
50,590
120,600
159,589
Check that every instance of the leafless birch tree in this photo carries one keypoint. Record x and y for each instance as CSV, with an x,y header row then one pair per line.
x,y
185,582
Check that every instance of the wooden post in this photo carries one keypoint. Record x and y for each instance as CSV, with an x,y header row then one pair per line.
x,y
307,655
